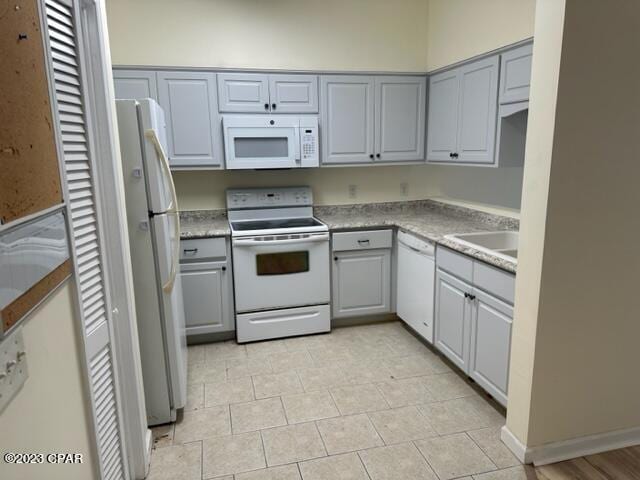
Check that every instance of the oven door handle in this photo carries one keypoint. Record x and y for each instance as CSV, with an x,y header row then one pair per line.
x,y
242,242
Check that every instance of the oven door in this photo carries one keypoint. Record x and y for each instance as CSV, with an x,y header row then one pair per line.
x,y
280,272
262,147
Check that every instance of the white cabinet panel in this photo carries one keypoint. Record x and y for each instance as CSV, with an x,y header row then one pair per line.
x,y
193,126
293,93
478,111
361,283
135,84
400,112
491,344
243,92
453,316
347,128
442,136
515,74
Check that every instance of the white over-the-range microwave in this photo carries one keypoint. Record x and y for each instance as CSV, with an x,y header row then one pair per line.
x,y
270,141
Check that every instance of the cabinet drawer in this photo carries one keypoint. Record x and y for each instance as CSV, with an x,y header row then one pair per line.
x,y
364,240
202,248
455,263
495,281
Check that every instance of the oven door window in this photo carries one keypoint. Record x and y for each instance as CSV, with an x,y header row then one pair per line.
x,y
283,263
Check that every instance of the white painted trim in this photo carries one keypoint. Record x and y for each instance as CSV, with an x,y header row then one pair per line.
x,y
573,448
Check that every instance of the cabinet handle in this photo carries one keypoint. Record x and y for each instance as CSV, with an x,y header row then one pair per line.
x,y
190,251
273,106
224,269
453,155
377,155
472,297
363,242
466,295
266,106
335,259
371,155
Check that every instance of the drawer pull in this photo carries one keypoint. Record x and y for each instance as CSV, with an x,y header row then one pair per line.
x,y
190,251
363,242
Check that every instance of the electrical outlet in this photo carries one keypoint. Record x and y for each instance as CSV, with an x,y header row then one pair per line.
x,y
353,191
404,189
13,367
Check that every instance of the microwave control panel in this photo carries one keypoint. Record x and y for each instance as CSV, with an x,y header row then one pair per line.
x,y
309,144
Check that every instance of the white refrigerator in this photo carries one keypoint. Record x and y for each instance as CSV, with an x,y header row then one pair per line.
x,y
154,237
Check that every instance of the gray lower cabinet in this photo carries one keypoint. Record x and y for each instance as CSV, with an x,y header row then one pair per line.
x,y
135,84
207,286
399,123
347,119
473,319
463,113
194,133
264,93
452,318
361,283
490,345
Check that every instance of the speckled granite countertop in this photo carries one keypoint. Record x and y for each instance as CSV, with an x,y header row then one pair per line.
x,y
204,224
428,219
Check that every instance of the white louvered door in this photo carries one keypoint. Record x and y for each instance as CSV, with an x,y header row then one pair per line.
x,y
70,103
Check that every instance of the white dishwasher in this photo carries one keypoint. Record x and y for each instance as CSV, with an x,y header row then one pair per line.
x,y
415,284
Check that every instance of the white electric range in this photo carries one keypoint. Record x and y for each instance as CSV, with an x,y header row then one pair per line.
x,y
281,263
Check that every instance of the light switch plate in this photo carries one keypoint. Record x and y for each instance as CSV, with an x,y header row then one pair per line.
x,y
13,367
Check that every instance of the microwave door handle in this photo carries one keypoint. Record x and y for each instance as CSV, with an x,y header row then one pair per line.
x,y
297,143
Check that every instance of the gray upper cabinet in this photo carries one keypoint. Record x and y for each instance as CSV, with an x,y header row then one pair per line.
x,y
293,93
452,318
135,84
399,122
491,344
515,74
478,111
263,93
193,126
347,119
444,95
463,113
243,92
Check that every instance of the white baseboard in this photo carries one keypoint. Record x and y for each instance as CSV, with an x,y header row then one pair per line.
x,y
573,448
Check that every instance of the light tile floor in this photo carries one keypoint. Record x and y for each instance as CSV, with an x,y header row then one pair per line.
x,y
368,402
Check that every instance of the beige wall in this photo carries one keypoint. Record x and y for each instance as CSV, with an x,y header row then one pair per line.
x,y
289,34
493,190
49,415
580,227
459,29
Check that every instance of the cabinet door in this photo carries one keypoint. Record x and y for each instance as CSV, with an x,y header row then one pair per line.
x,y
135,84
361,283
442,135
243,92
491,344
478,111
515,74
293,93
400,111
453,311
193,126
347,119
206,299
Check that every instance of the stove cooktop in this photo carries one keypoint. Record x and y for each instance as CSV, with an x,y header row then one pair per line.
x,y
271,224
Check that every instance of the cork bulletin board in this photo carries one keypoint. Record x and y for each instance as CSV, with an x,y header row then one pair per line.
x,y
34,250
29,173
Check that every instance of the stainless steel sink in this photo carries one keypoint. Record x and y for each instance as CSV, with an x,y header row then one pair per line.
x,y
501,244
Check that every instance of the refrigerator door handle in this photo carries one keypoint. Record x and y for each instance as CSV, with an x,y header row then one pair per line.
x,y
152,135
